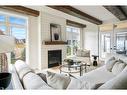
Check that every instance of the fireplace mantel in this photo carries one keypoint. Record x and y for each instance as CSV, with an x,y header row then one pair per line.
x,y
55,43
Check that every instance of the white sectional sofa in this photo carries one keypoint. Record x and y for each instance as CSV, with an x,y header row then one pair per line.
x,y
107,78
24,78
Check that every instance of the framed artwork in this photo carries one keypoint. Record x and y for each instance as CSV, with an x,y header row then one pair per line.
x,y
55,32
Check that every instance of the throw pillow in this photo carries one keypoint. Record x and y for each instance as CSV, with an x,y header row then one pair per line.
x,y
118,82
109,59
96,86
118,67
85,53
76,84
33,81
110,63
43,76
79,53
57,81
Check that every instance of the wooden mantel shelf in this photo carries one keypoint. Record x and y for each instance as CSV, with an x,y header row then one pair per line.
x,y
55,43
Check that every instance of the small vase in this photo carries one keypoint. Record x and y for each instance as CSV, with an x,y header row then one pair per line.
x,y
56,36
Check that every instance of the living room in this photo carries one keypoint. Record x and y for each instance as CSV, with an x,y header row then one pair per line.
x,y
65,33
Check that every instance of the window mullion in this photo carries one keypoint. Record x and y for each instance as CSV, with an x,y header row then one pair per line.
x,y
72,41
7,25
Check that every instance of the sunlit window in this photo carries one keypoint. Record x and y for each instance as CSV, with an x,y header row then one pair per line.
x,y
73,39
2,18
17,27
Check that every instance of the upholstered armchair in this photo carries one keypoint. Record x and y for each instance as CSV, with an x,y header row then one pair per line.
x,y
83,55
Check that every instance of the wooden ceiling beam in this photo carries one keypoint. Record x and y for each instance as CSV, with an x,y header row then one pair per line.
x,y
75,24
22,9
117,11
77,13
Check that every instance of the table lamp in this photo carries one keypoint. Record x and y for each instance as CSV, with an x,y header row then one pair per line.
x,y
7,44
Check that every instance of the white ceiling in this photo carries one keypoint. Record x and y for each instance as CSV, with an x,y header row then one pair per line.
x,y
98,12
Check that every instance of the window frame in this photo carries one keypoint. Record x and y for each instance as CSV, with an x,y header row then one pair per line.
x,y
72,38
9,25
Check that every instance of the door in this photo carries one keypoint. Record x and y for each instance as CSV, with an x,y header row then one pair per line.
x,y
105,44
121,42
113,42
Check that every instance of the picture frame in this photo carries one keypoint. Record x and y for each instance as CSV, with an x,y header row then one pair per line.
x,y
55,32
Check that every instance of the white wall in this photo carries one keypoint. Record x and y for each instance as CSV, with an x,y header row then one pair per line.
x,y
39,29
32,42
47,19
91,38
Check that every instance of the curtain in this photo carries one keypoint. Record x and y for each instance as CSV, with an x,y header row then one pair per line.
x,y
3,62
3,59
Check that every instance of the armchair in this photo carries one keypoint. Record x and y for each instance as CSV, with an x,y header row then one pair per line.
x,y
82,55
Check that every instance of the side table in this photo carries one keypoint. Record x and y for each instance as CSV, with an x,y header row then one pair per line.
x,y
95,60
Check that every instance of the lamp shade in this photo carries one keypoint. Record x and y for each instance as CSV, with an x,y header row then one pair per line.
x,y
7,43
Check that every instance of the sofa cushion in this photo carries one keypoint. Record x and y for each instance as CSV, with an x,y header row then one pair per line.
x,y
23,72
118,67
99,75
75,83
43,76
33,81
117,57
118,82
110,63
57,81
22,68
17,85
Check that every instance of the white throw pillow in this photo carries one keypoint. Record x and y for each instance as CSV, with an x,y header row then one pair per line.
x,y
110,63
79,53
118,82
109,59
33,81
85,53
118,67
77,84
57,81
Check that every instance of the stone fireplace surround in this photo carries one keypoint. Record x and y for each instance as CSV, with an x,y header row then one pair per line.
x,y
46,48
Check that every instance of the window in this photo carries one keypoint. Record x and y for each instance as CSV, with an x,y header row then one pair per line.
x,y
17,27
73,39
121,43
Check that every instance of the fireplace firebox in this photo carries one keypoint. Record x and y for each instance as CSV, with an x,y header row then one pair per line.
x,y
54,58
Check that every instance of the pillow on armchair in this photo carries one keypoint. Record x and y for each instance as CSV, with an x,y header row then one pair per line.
x,y
83,53
79,53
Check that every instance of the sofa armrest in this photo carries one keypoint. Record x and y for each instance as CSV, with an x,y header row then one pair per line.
x,y
16,83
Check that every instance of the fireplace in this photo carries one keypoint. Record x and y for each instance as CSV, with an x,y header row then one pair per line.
x,y
54,58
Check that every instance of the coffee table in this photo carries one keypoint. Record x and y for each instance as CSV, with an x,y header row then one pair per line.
x,y
74,68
